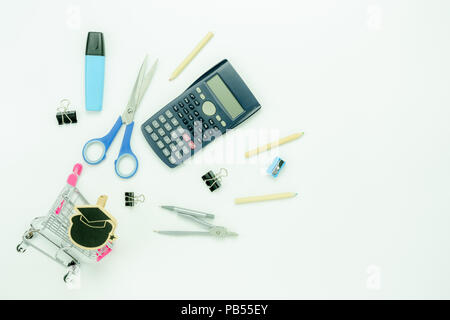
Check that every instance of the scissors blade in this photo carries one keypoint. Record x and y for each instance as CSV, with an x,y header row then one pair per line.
x,y
132,105
146,82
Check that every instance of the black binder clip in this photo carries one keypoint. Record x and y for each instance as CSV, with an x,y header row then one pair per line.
x,y
63,115
213,180
131,199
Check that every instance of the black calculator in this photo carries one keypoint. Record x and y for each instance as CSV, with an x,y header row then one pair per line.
x,y
216,102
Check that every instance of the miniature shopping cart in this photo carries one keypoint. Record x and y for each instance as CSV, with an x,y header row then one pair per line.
x,y
49,234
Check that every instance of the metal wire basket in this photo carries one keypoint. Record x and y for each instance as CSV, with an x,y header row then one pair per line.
x,y
49,234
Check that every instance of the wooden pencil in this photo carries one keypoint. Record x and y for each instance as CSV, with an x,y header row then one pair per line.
x,y
191,55
273,144
275,196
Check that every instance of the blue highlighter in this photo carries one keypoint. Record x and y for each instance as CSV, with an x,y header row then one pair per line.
x,y
94,71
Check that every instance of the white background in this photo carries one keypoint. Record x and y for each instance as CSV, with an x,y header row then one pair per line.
x,y
366,80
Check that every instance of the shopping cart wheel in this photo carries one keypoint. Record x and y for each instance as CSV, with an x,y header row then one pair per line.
x,y
21,247
73,273
67,277
29,235
70,277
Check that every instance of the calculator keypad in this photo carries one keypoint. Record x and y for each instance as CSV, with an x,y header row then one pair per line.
x,y
167,126
183,127
148,129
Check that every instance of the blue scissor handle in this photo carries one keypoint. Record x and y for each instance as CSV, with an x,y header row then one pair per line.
x,y
105,142
125,151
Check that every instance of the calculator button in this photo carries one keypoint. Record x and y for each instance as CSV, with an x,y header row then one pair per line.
x,y
191,107
218,118
180,130
205,126
186,137
174,135
169,114
186,111
174,121
160,144
190,128
211,122
166,152
180,144
186,100
181,104
185,150
192,96
172,160
223,123
185,121
168,126
196,103
178,154
190,117
162,119
216,128
148,129
208,108
173,147
196,113
167,139
202,96
200,119
154,136
175,108
199,140
191,145
161,132
180,114
198,89
155,124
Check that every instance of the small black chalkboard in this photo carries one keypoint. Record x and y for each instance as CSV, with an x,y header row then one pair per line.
x,y
91,227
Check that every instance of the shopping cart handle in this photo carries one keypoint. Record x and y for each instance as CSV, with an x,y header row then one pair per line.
x,y
72,179
77,169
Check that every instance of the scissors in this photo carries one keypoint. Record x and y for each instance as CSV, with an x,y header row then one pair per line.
x,y
140,87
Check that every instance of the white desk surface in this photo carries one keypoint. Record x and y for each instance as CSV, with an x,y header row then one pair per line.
x,y
368,82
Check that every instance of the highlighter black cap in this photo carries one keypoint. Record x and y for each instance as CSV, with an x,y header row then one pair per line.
x,y
95,45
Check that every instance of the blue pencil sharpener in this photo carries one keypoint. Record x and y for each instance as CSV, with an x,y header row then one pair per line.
x,y
276,166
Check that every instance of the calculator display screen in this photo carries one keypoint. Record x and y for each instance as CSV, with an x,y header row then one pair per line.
x,y
219,88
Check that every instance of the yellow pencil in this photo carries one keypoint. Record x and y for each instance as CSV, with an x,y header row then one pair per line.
x,y
191,55
273,144
275,196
